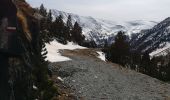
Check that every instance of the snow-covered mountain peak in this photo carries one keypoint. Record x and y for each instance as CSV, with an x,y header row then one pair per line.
x,y
154,40
99,30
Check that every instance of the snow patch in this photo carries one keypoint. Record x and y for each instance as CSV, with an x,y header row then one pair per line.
x,y
54,48
101,55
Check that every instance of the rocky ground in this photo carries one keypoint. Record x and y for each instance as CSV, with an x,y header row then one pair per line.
x,y
89,78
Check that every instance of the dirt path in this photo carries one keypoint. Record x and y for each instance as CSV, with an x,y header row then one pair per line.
x,y
93,79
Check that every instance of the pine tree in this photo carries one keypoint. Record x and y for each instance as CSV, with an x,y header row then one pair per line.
x,y
76,34
106,47
44,52
67,33
49,26
119,50
49,17
153,67
68,28
43,10
58,29
45,24
60,26
145,63
69,22
135,59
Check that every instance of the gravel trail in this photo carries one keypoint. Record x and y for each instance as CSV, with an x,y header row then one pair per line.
x,y
93,79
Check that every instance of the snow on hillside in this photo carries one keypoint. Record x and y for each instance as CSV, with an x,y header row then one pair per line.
x,y
99,30
153,40
161,51
54,47
138,25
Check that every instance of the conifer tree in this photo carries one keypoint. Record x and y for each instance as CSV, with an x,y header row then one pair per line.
x,y
60,26
76,34
68,28
49,17
58,29
45,24
119,50
106,46
49,26
66,33
69,22
153,67
43,10
145,62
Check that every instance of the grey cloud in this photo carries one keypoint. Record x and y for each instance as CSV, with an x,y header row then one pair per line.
x,y
124,10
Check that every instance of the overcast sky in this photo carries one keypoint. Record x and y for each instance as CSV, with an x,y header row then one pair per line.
x,y
116,10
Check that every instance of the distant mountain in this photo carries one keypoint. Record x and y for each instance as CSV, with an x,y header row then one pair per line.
x,y
153,40
99,30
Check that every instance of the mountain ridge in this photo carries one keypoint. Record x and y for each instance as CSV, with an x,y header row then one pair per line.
x,y
99,30
153,39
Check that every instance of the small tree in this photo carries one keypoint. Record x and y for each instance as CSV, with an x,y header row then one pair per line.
x,y
43,10
145,63
69,22
119,50
68,28
76,34
49,17
58,28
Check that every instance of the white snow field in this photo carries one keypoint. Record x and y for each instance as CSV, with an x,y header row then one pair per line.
x,y
54,47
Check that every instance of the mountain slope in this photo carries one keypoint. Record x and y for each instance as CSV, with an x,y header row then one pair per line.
x,y
161,51
99,30
152,39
